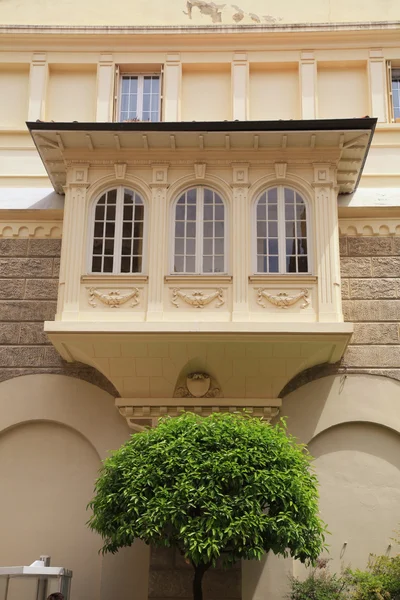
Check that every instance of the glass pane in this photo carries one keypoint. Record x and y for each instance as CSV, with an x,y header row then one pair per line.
x,y
272,195
99,214
291,264
273,264
219,213
191,246
190,264
98,229
301,229
111,213
290,247
191,213
127,229
262,264
261,246
179,246
290,230
207,264
139,212
180,212
273,229
219,229
208,246
190,230
261,229
208,213
289,195
272,212
289,212
128,197
109,247
97,247
219,264
127,247
125,264
300,212
302,246
108,264
136,264
137,247
219,246
112,197
180,229
261,212
138,229
208,229
303,264
110,229
178,266
96,264
208,196
273,246
128,213
191,196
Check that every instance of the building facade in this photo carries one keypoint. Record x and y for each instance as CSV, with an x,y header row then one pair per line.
x,y
200,210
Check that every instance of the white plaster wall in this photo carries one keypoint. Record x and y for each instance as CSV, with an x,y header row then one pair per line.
x,y
206,94
53,432
352,427
14,86
274,92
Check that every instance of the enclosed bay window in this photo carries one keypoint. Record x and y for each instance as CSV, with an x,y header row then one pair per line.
x,y
140,97
281,232
117,233
199,232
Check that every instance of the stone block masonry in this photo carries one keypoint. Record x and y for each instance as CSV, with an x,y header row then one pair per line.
x,y
28,296
371,300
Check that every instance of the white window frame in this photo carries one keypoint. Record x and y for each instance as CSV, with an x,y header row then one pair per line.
x,y
118,234
199,234
282,233
140,77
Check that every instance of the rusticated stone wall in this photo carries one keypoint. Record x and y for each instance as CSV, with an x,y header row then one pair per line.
x,y
29,270
170,577
371,300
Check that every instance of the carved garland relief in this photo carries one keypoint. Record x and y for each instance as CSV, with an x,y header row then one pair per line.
x,y
113,299
283,300
198,299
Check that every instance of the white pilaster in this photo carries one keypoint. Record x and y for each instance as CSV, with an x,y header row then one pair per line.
x,y
240,243
377,85
38,77
73,244
172,87
105,88
240,86
157,245
308,85
327,245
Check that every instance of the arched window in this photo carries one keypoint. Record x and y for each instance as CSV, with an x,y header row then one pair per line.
x,y
281,232
199,232
117,235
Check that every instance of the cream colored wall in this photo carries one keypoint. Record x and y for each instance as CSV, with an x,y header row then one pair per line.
x,y
53,432
352,426
274,91
14,86
342,91
175,12
71,94
206,93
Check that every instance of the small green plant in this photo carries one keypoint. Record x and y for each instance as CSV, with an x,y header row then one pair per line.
x,y
381,580
320,584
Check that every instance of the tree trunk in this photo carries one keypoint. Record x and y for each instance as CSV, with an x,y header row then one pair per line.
x,y
199,571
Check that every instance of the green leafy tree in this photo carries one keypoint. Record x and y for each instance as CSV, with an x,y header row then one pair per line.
x,y
226,486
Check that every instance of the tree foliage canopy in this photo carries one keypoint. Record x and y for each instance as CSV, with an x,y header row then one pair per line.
x,y
225,485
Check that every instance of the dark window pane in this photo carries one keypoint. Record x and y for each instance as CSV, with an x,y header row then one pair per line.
x,y
191,196
302,246
97,246
112,197
109,247
128,213
219,213
180,212
102,200
110,229
289,195
219,246
273,264
300,212
191,213
96,264
98,229
208,247
108,264
128,197
273,195
261,212
219,229
99,215
125,264
272,212
301,229
262,264
190,264
191,230
290,247
137,247
191,246
110,213
208,196
219,264
138,229
303,264
139,213
291,264
180,229
179,246
208,213
126,247
127,230
208,229
207,264
136,264
289,212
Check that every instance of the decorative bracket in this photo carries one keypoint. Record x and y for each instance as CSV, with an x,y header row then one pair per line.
x,y
282,300
114,299
198,299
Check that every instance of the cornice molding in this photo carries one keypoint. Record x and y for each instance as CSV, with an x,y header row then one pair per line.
x,y
31,223
369,226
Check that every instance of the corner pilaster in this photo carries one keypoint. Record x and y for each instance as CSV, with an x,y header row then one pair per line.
x,y
327,244
73,244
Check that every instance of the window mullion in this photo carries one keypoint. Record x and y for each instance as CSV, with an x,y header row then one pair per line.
x,y
118,231
281,230
140,97
199,229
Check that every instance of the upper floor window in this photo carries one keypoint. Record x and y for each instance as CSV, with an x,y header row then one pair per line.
x,y
117,234
140,98
199,232
396,93
281,232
